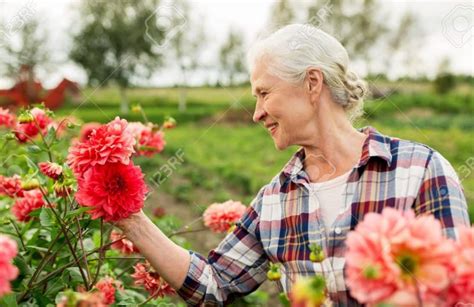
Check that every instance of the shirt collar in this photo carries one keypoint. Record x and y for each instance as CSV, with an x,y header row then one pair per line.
x,y
375,145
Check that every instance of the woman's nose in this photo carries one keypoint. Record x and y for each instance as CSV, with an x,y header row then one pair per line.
x,y
259,113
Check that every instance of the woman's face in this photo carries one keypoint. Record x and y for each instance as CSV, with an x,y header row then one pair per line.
x,y
283,108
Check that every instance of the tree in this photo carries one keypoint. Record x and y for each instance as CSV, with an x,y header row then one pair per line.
x,y
118,40
186,46
23,53
231,57
281,14
358,25
400,42
445,81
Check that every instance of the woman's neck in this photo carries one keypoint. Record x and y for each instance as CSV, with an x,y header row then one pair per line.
x,y
334,150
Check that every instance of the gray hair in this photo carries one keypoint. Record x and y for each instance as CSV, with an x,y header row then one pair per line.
x,y
294,48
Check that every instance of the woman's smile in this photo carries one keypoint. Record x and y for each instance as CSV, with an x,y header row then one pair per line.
x,y
271,127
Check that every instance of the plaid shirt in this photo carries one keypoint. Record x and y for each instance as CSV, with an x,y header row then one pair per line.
x,y
284,219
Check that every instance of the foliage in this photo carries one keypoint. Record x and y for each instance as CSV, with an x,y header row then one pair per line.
x,y
118,34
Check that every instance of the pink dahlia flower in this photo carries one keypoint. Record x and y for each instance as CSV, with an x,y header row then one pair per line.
x,y
220,217
7,119
8,272
462,287
149,142
393,255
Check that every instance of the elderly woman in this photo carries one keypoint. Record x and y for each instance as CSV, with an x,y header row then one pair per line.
x,y
307,96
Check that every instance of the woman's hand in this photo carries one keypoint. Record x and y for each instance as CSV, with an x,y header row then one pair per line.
x,y
128,223
169,259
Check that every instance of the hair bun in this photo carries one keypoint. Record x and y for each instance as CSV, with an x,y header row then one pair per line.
x,y
356,88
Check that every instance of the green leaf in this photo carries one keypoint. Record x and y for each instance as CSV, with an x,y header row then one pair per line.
x,y
8,300
33,149
41,299
46,217
50,136
74,274
129,297
36,212
39,248
31,164
77,212
21,264
284,299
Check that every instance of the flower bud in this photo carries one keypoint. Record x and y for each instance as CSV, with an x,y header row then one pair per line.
x,y
273,273
25,118
136,108
317,253
308,291
169,123
61,189
30,184
10,136
231,228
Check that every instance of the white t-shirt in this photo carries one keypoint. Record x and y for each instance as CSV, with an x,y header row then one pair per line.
x,y
329,195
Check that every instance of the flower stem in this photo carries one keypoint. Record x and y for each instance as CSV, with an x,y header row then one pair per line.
x,y
44,141
418,293
101,252
18,233
186,231
61,269
68,241
79,229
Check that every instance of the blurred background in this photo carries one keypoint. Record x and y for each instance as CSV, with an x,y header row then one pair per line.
x,y
186,59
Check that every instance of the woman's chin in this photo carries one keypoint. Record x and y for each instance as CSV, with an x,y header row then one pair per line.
x,y
279,145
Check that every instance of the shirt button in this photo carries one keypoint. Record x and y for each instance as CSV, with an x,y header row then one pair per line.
x,y
337,230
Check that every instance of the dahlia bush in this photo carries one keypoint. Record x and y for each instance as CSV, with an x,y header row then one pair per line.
x,y
61,181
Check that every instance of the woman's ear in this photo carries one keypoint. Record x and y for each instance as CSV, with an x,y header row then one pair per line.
x,y
314,79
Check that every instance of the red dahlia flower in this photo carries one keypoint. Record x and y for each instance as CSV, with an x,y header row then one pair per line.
x,y
40,123
124,245
110,143
114,190
51,169
152,282
11,186
86,130
107,287
30,201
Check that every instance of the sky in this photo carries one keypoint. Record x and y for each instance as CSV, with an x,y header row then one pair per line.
x,y
447,31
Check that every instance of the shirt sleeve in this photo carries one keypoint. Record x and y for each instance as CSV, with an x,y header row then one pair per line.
x,y
442,195
238,265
